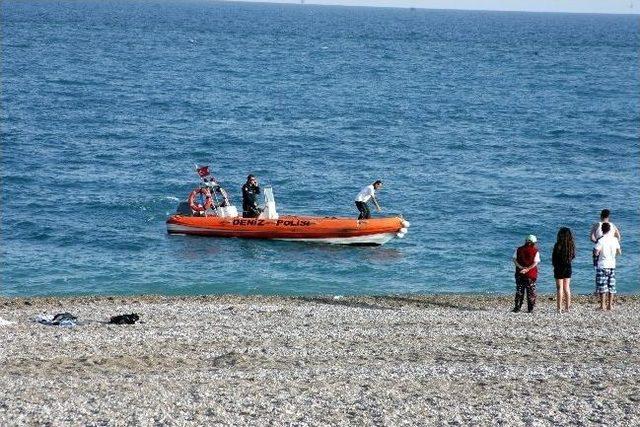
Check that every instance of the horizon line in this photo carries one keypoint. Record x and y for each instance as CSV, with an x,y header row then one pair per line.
x,y
632,12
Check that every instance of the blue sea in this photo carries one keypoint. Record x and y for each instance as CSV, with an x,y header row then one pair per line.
x,y
484,127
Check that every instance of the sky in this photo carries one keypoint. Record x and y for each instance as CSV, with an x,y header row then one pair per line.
x,y
575,6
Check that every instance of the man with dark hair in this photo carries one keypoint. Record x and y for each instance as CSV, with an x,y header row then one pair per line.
x,y
596,229
606,249
526,259
366,194
250,191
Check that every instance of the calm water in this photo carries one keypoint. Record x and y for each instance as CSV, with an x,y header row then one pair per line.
x,y
484,126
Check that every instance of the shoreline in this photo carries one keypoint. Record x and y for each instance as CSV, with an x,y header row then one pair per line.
x,y
250,297
381,360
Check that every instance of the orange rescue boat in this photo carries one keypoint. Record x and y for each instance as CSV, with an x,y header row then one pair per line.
x,y
374,231
209,212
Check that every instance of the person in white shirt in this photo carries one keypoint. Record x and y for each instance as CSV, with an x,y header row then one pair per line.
x,y
596,229
606,249
366,194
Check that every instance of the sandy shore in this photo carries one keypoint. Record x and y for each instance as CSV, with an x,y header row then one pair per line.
x,y
428,360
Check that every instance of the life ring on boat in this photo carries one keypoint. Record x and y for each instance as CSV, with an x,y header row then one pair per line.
x,y
197,207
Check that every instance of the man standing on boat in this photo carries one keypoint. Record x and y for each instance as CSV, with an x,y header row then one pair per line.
x,y
250,191
366,194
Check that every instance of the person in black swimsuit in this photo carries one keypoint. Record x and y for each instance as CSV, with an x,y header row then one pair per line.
x,y
564,251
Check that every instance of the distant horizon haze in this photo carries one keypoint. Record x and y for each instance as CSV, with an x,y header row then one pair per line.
x,y
566,6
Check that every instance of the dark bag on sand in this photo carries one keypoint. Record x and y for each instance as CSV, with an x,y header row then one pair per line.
x,y
124,319
63,317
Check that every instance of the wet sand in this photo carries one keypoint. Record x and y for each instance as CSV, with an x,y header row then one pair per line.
x,y
406,360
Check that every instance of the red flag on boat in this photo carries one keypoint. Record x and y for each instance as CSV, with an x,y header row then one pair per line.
x,y
203,171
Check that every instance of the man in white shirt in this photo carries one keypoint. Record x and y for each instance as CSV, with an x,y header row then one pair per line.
x,y
606,249
596,229
366,194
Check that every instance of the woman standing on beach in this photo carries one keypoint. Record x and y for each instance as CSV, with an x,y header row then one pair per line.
x,y
564,251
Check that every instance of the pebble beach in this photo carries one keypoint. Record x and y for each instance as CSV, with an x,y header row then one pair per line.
x,y
396,360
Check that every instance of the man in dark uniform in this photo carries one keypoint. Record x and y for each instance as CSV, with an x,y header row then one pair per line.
x,y
250,191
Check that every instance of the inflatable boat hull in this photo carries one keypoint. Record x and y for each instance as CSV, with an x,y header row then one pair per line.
x,y
345,231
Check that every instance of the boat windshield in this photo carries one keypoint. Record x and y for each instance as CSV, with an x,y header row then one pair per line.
x,y
268,195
